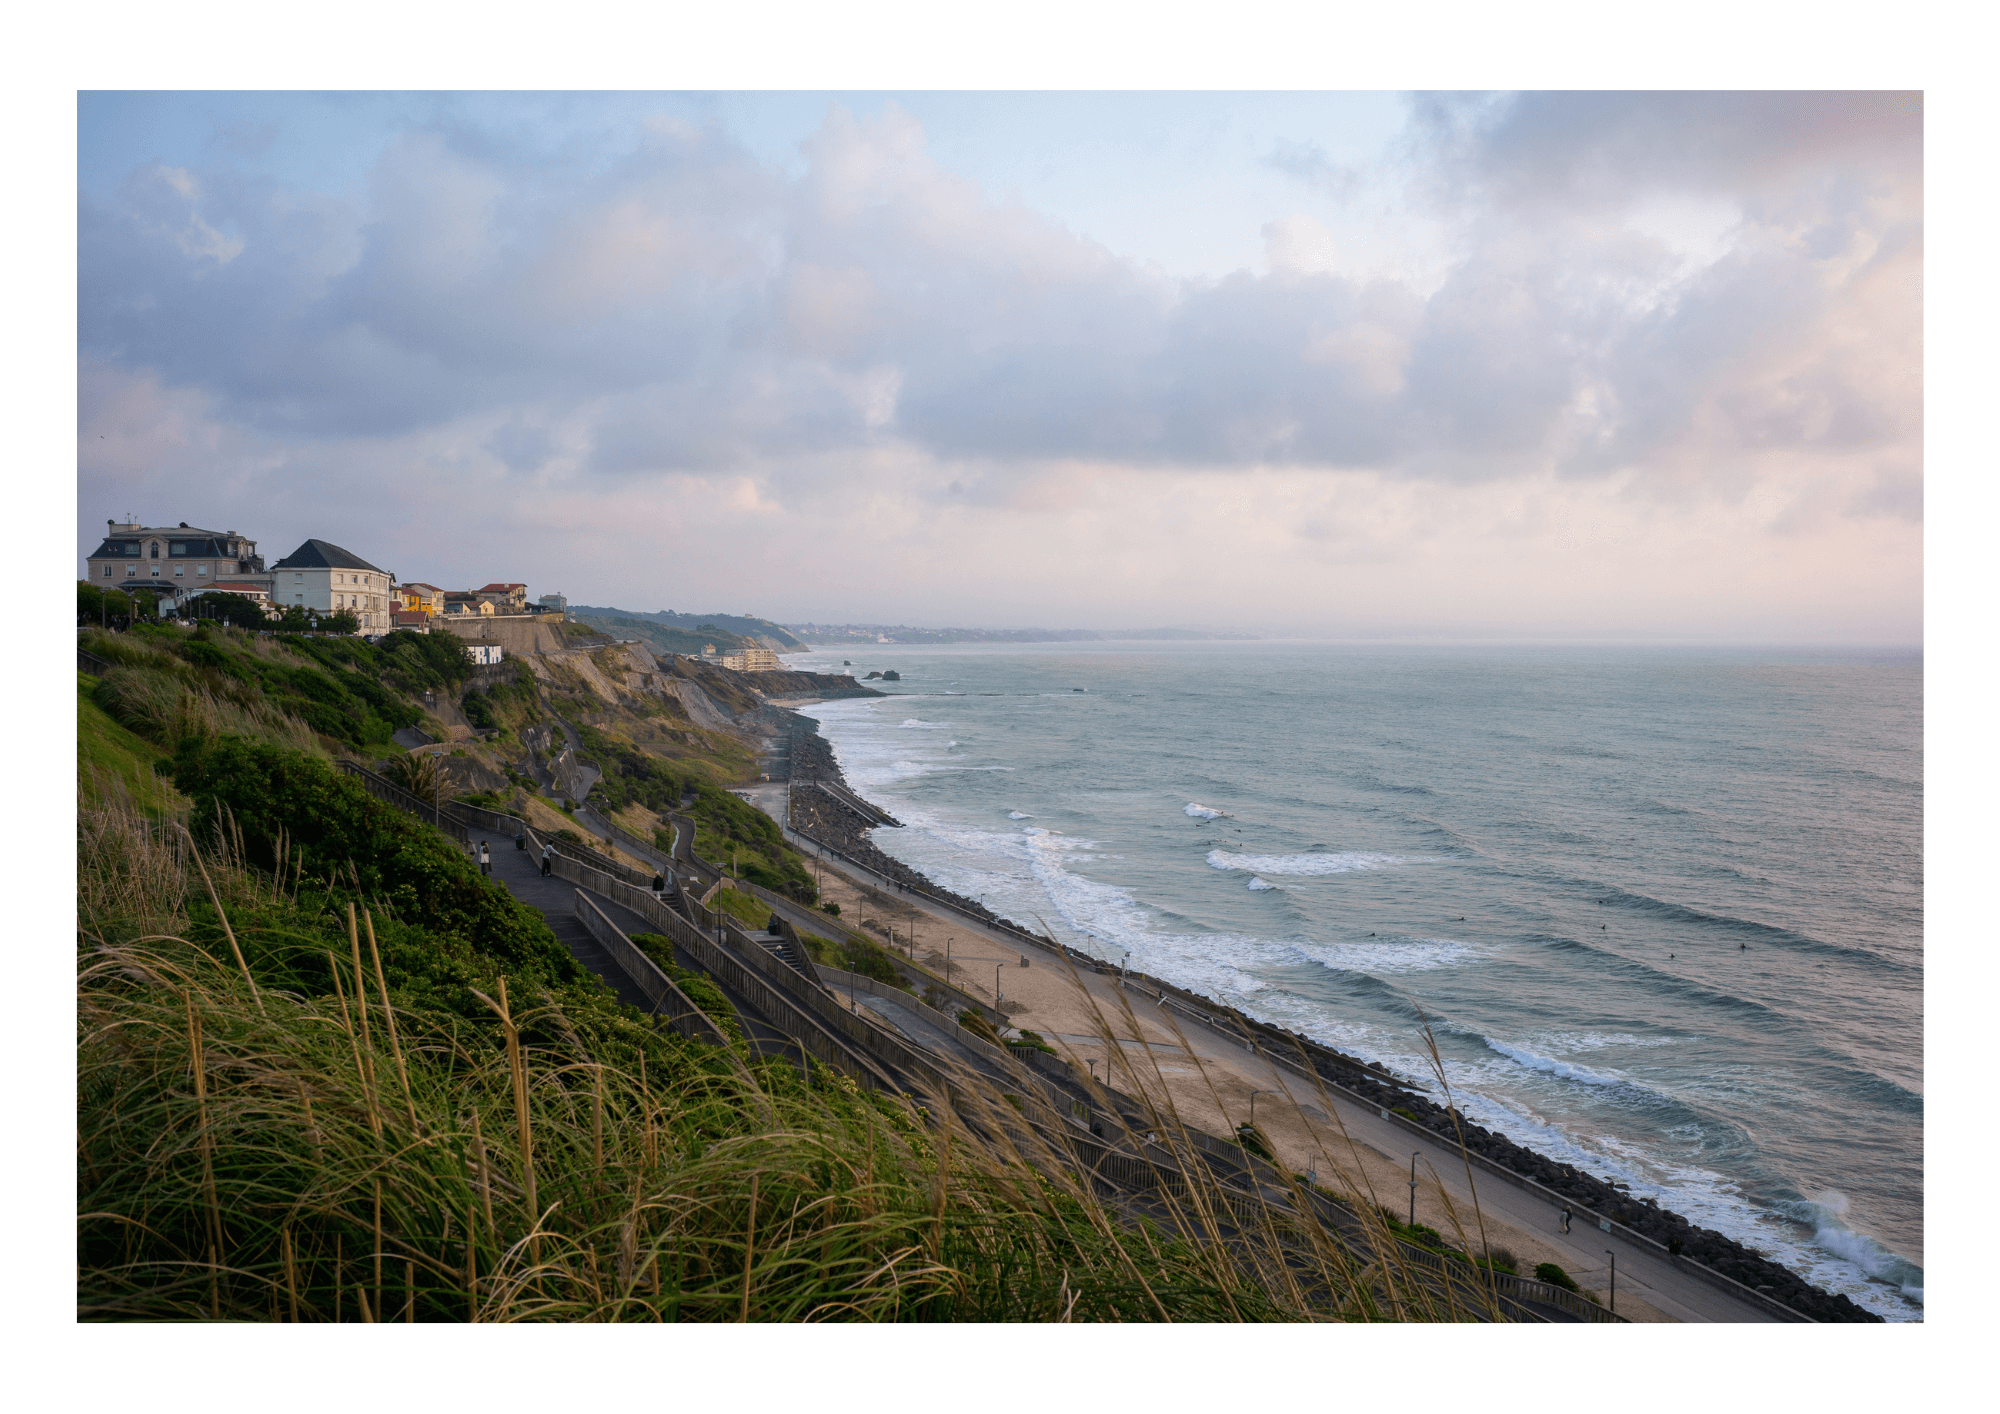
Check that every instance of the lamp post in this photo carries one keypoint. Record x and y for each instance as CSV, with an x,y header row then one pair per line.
x,y
1253,1104
1413,1190
1614,1279
998,995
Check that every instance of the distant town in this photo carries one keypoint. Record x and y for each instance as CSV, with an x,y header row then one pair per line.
x,y
187,572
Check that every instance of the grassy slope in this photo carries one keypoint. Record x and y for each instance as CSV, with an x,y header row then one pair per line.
x,y
106,751
660,1179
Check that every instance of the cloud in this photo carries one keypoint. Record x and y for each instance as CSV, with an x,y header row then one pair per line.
x,y
1676,298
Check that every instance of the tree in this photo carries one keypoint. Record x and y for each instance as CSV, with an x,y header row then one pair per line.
x,y
238,610
297,618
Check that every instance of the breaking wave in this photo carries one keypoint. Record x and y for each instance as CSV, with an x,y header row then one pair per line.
x,y
1259,885
1195,810
1567,1070
1302,864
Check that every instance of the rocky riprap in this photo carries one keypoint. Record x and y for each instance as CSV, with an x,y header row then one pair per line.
x,y
821,817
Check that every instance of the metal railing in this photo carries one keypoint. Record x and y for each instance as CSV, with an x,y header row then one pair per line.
x,y
738,974
669,1002
437,814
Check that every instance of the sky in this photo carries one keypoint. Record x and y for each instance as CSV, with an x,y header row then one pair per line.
x,y
1625,366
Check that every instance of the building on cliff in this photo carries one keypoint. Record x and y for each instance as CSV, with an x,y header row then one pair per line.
x,y
505,598
752,660
174,559
322,576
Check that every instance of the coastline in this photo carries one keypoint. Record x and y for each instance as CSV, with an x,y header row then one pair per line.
x,y
819,815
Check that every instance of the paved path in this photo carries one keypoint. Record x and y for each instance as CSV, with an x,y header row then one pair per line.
x,y
521,873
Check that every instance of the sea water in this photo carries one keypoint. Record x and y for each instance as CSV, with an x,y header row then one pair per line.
x,y
1661,908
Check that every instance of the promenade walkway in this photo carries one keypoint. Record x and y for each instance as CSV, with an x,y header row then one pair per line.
x,y
1307,1123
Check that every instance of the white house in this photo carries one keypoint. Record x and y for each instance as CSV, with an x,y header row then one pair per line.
x,y
329,579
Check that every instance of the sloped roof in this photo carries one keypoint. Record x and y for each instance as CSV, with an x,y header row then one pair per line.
x,y
129,544
322,555
498,588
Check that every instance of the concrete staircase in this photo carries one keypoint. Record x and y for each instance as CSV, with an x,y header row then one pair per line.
x,y
787,952
570,931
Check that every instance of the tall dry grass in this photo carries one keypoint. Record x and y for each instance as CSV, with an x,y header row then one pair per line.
x,y
248,1153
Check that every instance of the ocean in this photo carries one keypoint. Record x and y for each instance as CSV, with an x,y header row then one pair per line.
x,y
1662,908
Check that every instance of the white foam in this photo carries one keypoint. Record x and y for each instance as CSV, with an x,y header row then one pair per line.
x,y
913,724
1303,864
1258,885
1394,955
1195,810
1567,1070
1017,815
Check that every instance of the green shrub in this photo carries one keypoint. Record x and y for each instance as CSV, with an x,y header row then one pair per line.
x,y
978,1025
335,833
1554,1276
1032,1040
831,910
697,986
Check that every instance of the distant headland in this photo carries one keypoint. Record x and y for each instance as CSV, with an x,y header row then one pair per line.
x,y
823,634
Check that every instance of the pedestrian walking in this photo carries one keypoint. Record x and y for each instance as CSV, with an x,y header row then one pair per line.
x,y
548,859
485,860
1566,1217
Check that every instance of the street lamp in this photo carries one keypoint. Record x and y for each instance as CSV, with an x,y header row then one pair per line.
x,y
1253,1104
1614,1279
1413,1190
998,995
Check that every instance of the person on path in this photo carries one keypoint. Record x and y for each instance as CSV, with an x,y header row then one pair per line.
x,y
1565,1217
548,859
485,860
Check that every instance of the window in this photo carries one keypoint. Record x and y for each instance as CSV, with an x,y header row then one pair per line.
x,y
107,571
131,570
298,579
201,571
179,570
156,549
179,547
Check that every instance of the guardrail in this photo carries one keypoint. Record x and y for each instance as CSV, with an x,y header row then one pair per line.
x,y
814,844
1010,1061
91,663
737,974
433,812
670,1003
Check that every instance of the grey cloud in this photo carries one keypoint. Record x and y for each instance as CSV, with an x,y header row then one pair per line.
x,y
695,309
1581,146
